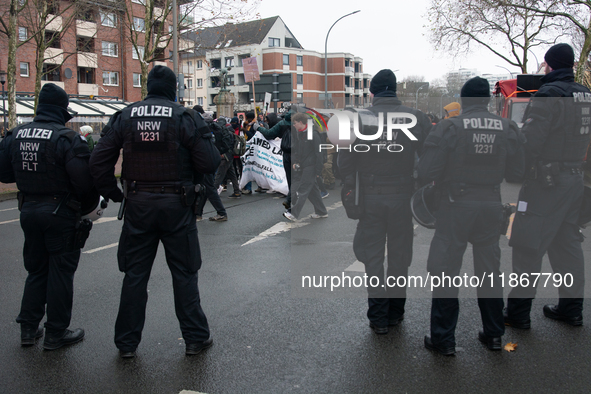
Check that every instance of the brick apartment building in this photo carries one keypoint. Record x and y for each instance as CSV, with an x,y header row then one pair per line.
x,y
95,56
277,51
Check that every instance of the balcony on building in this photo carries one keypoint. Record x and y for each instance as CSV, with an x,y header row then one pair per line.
x,y
54,56
85,28
55,23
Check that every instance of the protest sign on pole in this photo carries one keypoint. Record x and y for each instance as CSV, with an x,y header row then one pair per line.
x,y
251,74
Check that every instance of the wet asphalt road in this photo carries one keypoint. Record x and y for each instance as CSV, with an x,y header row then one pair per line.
x,y
271,336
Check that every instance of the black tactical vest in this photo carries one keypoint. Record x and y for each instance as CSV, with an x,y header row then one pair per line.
x,y
35,161
151,146
481,151
569,138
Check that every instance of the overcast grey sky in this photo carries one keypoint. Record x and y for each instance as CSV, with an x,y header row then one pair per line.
x,y
386,34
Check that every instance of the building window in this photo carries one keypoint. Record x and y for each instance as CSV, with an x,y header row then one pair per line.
x,y
199,64
85,44
216,63
199,83
230,79
300,98
137,80
51,72
85,14
300,79
299,60
52,39
110,78
200,100
53,7
139,54
139,24
286,60
189,84
230,61
24,69
274,42
22,34
110,49
108,19
85,75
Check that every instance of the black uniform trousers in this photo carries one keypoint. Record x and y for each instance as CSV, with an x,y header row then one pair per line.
x,y
305,188
51,264
549,224
288,170
226,169
150,218
387,221
476,218
212,195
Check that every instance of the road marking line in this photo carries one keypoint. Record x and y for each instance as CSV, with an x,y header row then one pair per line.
x,y
105,220
357,266
282,227
8,209
10,221
102,248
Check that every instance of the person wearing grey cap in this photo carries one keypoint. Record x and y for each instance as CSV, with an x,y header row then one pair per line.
x,y
556,126
467,157
49,163
165,146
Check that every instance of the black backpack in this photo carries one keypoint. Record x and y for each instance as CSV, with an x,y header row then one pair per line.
x,y
224,138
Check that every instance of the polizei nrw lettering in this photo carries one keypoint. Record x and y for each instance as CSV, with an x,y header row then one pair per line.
x,y
151,110
148,125
484,138
483,123
43,134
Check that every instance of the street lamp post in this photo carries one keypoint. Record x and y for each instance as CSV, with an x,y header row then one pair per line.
x,y
326,59
2,81
507,70
417,95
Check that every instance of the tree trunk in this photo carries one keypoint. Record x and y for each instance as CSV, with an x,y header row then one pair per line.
x,y
11,65
583,57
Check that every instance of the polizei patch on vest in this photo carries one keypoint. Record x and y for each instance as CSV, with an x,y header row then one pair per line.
x,y
483,123
43,134
151,110
481,143
149,135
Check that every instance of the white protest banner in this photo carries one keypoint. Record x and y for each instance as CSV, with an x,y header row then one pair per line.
x,y
263,163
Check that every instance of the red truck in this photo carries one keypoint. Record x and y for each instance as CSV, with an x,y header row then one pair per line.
x,y
512,95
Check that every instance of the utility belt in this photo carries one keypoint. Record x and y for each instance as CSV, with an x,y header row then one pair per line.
x,y
546,172
380,184
188,193
134,187
468,192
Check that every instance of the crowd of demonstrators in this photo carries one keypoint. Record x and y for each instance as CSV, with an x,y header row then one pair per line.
x,y
226,169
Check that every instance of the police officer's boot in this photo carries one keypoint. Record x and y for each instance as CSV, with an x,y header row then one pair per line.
x,y
30,335
68,337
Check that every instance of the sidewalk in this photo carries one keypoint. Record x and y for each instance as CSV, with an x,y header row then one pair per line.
x,y
8,190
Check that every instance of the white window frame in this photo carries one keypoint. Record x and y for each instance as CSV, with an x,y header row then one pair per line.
x,y
273,41
109,75
199,64
139,23
189,83
108,19
111,49
299,60
229,60
21,69
284,57
199,82
139,54
139,80
22,30
199,100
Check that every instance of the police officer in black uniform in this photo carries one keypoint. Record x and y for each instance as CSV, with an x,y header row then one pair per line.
x,y
467,157
386,183
164,146
556,127
49,163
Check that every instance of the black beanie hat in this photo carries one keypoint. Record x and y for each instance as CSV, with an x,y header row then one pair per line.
x,y
162,82
383,80
54,95
560,56
476,87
